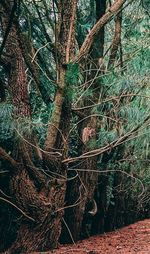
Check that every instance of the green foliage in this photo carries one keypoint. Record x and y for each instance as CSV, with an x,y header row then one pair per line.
x,y
92,144
71,79
72,74
106,137
123,94
6,123
40,116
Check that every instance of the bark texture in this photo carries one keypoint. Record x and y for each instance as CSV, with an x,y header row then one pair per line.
x,y
80,191
39,195
116,43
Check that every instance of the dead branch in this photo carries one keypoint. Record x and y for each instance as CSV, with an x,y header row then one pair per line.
x,y
112,170
22,212
110,146
8,158
94,210
113,10
111,99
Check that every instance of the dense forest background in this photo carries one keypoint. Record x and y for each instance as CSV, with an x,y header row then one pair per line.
x,y
74,119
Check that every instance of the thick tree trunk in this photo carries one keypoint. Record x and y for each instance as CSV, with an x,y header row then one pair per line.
x,y
30,189
39,195
38,192
42,233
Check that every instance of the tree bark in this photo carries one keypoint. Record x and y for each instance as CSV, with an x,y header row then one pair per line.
x,y
80,191
37,195
116,40
86,46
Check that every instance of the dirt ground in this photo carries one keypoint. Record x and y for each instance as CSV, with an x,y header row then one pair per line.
x,y
132,239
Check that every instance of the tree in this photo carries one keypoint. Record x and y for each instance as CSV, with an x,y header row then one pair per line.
x,y
56,172
40,193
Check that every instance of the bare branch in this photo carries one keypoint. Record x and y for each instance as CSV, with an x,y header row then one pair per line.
x,y
7,157
109,171
111,99
113,10
110,146
22,212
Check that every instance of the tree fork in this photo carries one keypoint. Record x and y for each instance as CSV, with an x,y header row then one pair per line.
x,y
113,10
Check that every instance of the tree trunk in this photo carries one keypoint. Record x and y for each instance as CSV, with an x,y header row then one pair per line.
x,y
38,178
30,189
38,196
116,40
80,191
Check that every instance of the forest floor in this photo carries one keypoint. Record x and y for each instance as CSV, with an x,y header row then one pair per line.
x,y
132,239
